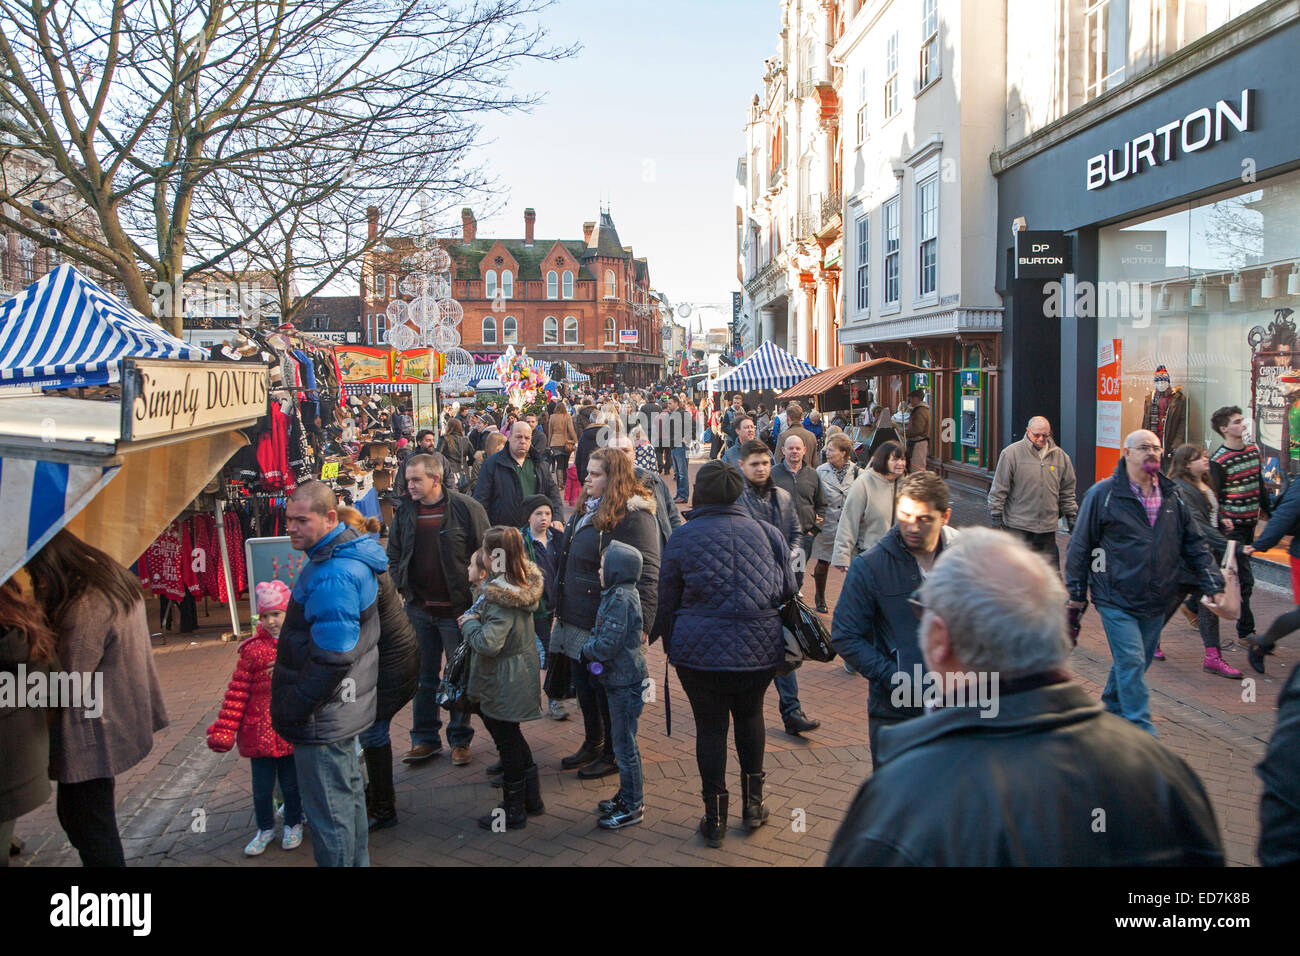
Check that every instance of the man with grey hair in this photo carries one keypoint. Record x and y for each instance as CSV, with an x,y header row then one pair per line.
x,y
1033,488
1135,546
1046,777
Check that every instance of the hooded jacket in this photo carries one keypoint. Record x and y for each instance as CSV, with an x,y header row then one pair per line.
x,y
578,588
1032,491
1125,562
962,787
505,670
725,576
331,634
616,638
875,628
501,493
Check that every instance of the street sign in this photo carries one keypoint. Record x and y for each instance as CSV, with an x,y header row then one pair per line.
x,y
627,336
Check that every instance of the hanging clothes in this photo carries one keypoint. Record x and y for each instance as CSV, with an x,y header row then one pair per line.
x,y
160,565
273,453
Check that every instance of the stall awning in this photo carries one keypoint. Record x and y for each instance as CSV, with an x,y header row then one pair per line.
x,y
65,330
823,382
371,388
571,374
39,498
769,367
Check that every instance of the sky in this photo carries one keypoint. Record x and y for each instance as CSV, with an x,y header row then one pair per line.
x,y
649,117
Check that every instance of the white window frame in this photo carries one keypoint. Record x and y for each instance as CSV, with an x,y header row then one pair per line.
x,y
862,275
1096,80
862,107
566,285
381,286
550,330
507,284
930,65
611,331
892,106
611,284
892,257
571,326
381,327
490,284
552,284
927,235
489,324
509,330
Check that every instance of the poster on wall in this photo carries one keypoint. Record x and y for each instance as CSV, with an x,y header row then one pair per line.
x,y
1275,414
1110,436
362,363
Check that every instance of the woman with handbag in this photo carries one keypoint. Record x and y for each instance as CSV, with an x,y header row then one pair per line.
x,y
504,669
459,454
1189,468
563,439
614,506
724,579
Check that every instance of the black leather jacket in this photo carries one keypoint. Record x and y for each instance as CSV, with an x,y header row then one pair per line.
x,y
1025,787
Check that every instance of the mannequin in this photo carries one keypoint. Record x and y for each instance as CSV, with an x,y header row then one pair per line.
x,y
1165,413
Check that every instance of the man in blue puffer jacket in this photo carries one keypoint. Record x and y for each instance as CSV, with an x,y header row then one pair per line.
x,y
326,669
722,582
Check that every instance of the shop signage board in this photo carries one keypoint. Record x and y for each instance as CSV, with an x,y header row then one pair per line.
x,y
627,336
170,396
1109,408
1043,254
364,363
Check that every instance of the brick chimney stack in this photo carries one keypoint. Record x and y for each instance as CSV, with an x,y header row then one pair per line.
x,y
372,220
530,217
587,229
469,226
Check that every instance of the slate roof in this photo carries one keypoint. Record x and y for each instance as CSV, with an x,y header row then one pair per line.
x,y
605,241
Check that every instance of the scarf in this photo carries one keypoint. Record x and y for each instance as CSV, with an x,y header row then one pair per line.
x,y
589,515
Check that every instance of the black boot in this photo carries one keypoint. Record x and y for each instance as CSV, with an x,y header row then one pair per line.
x,y
821,603
754,813
533,792
512,803
586,754
713,826
382,805
495,770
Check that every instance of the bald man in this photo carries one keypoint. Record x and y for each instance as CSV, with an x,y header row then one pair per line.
x,y
1133,547
1033,488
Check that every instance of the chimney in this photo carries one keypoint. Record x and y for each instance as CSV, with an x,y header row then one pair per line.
x,y
469,226
587,228
530,217
372,218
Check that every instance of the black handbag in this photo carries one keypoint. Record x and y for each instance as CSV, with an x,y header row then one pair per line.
x,y
808,630
453,689
559,677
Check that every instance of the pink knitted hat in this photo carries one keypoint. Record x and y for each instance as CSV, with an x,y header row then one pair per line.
x,y
272,596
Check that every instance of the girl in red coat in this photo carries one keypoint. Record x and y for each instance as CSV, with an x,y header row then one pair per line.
x,y
246,720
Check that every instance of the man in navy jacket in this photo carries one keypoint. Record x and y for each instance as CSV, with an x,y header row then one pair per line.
x,y
1134,544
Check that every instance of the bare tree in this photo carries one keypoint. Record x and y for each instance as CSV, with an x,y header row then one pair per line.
x,y
154,110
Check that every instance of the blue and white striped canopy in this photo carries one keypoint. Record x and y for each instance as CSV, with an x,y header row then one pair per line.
x,y
39,498
64,330
573,375
374,388
769,367
484,378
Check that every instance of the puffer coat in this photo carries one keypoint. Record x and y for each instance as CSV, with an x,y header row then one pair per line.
x,y
245,718
723,580
505,670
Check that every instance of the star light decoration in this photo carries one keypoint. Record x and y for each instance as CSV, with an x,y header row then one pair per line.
x,y
431,317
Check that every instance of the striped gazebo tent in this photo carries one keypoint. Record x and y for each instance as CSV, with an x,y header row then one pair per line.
x,y
573,375
64,330
769,367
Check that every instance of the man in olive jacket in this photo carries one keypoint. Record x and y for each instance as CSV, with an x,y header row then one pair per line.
x,y
1033,488
1017,765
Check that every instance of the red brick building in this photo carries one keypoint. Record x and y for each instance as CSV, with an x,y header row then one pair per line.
x,y
586,301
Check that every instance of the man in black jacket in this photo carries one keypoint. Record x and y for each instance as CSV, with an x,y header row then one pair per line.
x,y
433,534
804,485
1135,546
510,476
1018,766
874,628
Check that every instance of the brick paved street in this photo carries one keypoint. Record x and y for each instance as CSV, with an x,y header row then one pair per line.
x,y
181,784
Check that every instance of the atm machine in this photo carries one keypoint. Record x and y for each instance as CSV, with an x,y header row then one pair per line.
x,y
970,432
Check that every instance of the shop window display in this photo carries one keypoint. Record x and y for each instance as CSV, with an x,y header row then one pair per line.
x,y
1196,310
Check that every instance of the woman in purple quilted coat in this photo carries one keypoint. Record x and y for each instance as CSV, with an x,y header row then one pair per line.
x,y
722,582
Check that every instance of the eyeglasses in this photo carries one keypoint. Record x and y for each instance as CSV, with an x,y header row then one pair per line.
x,y
1153,449
914,599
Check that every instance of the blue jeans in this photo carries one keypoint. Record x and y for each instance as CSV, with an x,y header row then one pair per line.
x,y
787,690
437,635
334,796
625,706
376,735
1132,641
681,476
265,770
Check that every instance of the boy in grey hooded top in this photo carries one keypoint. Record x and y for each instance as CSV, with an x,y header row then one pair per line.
x,y
616,649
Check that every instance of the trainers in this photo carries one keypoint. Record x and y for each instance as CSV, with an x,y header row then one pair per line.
x,y
460,756
292,838
261,840
622,816
1159,655
420,753
557,711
